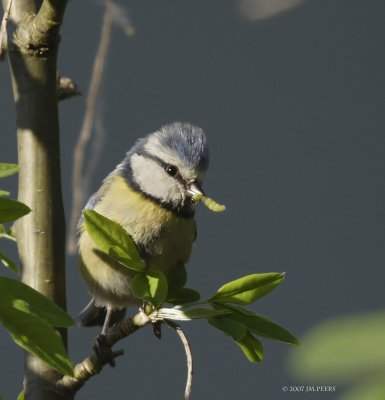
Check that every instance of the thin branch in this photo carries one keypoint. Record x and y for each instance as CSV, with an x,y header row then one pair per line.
x,y
50,16
93,364
96,146
123,20
3,29
78,180
188,352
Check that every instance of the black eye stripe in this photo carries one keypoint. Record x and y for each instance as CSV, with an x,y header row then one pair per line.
x,y
165,165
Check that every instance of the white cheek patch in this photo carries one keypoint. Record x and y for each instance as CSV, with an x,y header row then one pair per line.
x,y
154,181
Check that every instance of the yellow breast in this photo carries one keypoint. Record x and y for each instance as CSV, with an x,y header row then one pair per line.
x,y
164,238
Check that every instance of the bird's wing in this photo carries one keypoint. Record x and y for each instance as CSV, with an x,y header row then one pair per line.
x,y
91,203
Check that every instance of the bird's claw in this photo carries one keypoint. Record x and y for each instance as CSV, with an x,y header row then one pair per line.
x,y
103,350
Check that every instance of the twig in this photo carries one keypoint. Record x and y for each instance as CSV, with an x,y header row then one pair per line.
x,y
3,29
93,364
66,88
189,359
96,146
78,180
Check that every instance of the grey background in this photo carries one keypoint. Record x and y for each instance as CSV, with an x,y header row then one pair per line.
x,y
293,107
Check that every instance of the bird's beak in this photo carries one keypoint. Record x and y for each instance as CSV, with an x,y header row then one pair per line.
x,y
195,191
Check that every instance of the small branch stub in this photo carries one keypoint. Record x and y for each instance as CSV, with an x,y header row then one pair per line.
x,y
67,88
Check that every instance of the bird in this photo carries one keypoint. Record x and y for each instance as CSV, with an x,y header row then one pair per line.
x,y
151,194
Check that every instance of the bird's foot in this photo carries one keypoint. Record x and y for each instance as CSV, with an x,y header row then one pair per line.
x,y
103,350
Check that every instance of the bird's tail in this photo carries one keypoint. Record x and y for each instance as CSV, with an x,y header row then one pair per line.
x,y
92,315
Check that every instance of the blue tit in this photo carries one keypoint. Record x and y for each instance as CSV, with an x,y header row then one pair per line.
x,y
150,194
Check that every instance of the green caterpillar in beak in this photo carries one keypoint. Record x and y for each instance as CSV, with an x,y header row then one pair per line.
x,y
209,203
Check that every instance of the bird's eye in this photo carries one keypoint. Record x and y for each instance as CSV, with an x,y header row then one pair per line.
x,y
171,169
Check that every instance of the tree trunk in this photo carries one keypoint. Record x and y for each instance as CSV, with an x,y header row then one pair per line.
x,y
41,234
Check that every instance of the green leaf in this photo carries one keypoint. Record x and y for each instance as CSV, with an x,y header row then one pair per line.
x,y
230,327
189,314
15,294
38,337
21,395
151,286
119,255
177,294
184,296
30,317
5,235
113,240
176,278
247,289
251,347
372,388
8,263
11,232
342,349
200,312
8,169
11,210
4,193
261,326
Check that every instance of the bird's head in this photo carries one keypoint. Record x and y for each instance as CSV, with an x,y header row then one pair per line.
x,y
169,165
